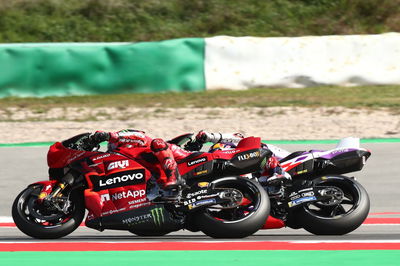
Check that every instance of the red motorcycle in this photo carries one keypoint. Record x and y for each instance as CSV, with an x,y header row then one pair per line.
x,y
121,191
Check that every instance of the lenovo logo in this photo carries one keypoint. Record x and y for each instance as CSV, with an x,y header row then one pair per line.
x,y
197,161
119,179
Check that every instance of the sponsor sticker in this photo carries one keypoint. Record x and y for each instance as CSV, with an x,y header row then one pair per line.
x,y
202,184
137,219
102,157
201,203
123,195
118,165
301,200
248,156
113,211
158,216
197,161
201,172
194,194
132,177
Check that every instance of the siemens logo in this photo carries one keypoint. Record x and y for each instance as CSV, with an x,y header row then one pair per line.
x,y
120,179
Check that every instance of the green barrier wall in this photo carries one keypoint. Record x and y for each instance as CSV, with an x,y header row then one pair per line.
x,y
63,69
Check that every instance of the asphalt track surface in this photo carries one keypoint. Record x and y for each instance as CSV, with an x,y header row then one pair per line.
x,y
381,177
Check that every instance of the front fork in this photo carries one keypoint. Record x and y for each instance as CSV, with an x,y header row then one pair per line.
x,y
51,193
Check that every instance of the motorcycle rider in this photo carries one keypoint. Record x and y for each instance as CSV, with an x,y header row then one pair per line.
x,y
167,154
273,172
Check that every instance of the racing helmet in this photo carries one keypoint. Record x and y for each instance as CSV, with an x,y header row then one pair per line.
x,y
130,138
222,146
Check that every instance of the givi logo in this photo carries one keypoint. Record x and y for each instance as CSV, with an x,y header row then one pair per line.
x,y
119,164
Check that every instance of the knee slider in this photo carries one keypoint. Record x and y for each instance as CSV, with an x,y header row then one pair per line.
x,y
158,145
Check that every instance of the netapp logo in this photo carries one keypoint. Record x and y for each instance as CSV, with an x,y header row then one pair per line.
x,y
197,161
123,195
120,179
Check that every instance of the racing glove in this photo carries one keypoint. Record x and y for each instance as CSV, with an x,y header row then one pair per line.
x,y
204,136
100,136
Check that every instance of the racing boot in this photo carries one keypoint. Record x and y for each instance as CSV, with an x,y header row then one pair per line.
x,y
174,185
273,173
164,154
174,179
274,177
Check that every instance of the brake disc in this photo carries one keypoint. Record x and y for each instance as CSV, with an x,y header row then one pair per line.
x,y
233,196
335,194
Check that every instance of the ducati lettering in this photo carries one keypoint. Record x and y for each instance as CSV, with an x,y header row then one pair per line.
x,y
197,161
119,179
101,157
118,165
249,156
158,216
230,152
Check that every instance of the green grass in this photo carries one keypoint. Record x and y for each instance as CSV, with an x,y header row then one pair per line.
x,y
351,97
211,258
151,20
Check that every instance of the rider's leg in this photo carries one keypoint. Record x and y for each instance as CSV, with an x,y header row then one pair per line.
x,y
273,172
166,158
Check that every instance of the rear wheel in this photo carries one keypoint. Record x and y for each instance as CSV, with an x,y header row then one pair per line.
x,y
345,212
238,221
38,220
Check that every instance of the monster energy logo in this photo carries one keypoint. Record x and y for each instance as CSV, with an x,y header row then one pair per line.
x,y
158,216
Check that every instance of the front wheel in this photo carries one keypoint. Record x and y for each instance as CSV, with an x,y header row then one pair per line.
x,y
345,212
37,220
239,221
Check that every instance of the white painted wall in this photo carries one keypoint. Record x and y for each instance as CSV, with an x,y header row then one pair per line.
x,y
248,62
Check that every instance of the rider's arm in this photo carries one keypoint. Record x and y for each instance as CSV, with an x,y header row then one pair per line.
x,y
204,136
